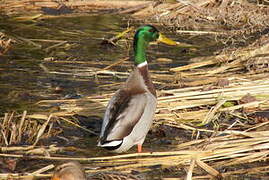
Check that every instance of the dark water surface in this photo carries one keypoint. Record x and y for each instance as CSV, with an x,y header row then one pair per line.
x,y
24,80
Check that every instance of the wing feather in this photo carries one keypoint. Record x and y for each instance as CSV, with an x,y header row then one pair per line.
x,y
122,114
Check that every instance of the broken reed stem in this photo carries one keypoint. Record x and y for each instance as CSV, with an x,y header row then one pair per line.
x,y
207,168
70,122
21,126
189,173
114,64
251,104
42,130
42,170
55,45
20,148
210,115
192,66
200,32
20,176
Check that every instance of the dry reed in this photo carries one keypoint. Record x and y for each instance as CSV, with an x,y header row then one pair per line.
x,y
195,98
233,148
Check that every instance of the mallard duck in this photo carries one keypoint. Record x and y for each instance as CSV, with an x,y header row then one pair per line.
x,y
74,171
69,171
129,113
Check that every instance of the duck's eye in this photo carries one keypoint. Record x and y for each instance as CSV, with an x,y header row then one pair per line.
x,y
151,30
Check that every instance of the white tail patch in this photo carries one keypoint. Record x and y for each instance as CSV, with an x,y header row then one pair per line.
x,y
112,143
142,64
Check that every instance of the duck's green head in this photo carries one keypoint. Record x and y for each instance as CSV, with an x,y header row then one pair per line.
x,y
143,36
148,33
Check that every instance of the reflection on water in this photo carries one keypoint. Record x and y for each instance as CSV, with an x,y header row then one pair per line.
x,y
23,81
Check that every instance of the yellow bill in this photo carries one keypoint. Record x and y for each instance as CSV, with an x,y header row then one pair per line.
x,y
166,40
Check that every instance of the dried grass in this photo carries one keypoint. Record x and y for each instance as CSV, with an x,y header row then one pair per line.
x,y
227,149
17,129
5,43
237,20
192,96
12,7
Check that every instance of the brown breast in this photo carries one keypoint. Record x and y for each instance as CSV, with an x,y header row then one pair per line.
x,y
145,74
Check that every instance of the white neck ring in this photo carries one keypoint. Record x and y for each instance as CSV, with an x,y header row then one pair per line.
x,y
142,64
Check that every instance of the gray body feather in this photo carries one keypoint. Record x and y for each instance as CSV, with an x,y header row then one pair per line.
x,y
129,114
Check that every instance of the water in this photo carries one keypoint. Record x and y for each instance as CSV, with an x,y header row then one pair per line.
x,y
23,81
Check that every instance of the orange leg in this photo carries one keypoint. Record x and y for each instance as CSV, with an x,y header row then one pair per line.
x,y
139,148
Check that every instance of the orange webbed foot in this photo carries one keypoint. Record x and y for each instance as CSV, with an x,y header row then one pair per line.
x,y
139,148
